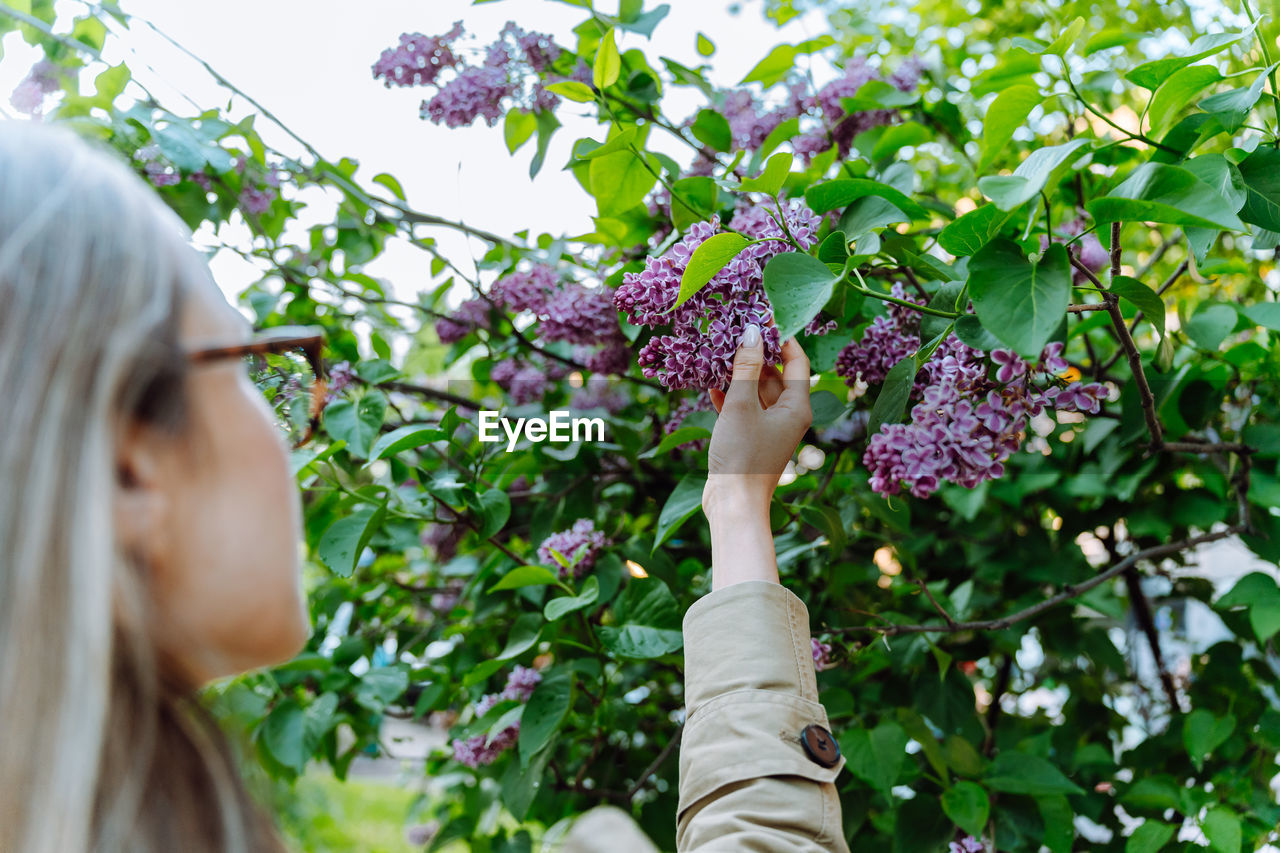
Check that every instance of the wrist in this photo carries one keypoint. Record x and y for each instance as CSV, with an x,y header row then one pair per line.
x,y
734,502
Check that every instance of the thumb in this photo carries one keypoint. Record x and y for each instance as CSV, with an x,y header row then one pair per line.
x,y
747,364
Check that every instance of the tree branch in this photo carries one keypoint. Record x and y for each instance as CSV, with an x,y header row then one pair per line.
x,y
1066,594
657,762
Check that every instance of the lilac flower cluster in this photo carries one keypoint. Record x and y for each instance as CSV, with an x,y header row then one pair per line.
x,y
968,844
1088,249
599,394
888,340
418,59
582,535
340,378
838,127
442,537
821,654
474,751
40,82
485,91
469,316
159,171
966,424
817,326
705,329
523,381
750,122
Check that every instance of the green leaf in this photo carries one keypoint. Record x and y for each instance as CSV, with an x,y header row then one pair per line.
x,y
646,622
1066,38
524,635
283,733
1143,297
547,126
608,63
702,196
1018,301
1232,108
565,604
1059,823
969,233
573,90
545,712
968,807
1005,115
779,135
1032,175
1202,733
1158,192
110,84
773,177
891,403
1211,324
517,128
1265,314
876,755
706,262
621,180
1250,589
1150,75
357,422
380,687
494,508
1265,620
798,285
1151,837
620,139
832,194
519,785
522,576
1222,828
684,501
1021,773
712,129
343,542
1222,175
782,60
1260,172
404,438
1174,94
705,46
682,435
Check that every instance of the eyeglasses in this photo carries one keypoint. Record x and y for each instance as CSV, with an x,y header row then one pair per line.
x,y
286,365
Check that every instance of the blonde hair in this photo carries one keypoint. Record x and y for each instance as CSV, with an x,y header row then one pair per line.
x,y
99,749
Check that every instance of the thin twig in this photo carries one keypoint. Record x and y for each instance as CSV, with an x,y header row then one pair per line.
x,y
657,762
936,606
1067,593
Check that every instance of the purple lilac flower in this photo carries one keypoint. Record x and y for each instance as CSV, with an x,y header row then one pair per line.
x,y
1088,249
202,180
599,394
888,340
476,92
612,359
821,654
257,201
523,382
340,378
818,327
706,329
474,751
579,315
420,835
967,423
469,316
41,81
582,534
968,844
418,59
839,127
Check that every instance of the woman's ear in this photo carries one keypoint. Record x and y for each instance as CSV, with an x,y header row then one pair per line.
x,y
141,495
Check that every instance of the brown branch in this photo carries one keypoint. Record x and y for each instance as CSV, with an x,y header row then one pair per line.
x,y
657,762
1165,245
1189,445
1142,614
910,276
936,606
1085,271
1067,593
1000,687
1084,309
1145,396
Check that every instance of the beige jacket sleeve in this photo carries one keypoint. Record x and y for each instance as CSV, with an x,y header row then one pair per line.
x,y
746,781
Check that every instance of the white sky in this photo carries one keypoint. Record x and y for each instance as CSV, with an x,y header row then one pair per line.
x,y
309,61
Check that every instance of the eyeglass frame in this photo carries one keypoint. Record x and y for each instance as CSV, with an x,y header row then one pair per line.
x,y
275,342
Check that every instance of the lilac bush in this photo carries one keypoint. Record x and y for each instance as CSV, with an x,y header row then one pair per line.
x,y
582,535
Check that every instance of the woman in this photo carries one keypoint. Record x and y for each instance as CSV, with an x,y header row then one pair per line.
x,y
150,530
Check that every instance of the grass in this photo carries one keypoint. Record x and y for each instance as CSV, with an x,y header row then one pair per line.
x,y
324,815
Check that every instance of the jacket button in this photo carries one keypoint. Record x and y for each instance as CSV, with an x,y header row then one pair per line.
x,y
820,746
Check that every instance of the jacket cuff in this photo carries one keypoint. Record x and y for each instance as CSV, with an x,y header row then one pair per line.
x,y
751,635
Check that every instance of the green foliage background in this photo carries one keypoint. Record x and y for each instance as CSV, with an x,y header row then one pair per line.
x,y
1169,132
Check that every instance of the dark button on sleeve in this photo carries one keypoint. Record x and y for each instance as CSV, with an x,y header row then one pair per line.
x,y
820,746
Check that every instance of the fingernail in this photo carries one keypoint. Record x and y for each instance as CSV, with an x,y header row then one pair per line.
x,y
751,335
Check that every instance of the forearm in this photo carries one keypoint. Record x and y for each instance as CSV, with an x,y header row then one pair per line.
x,y
741,538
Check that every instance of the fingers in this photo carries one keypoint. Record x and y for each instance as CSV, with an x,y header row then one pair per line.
x,y
770,386
747,363
795,377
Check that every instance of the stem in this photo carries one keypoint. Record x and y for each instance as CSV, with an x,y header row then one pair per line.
x,y
1066,75
1266,57
923,309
